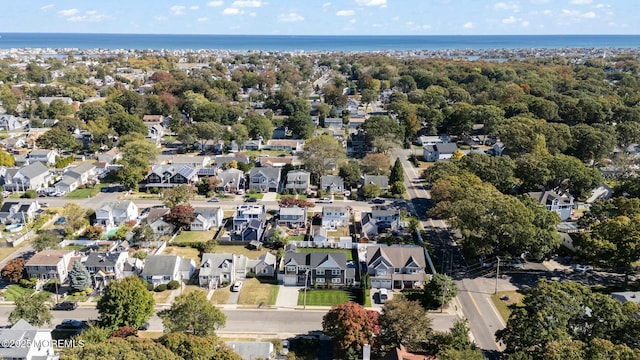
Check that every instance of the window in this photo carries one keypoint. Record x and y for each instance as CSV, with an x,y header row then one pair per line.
x,y
335,272
336,280
167,277
291,268
319,271
320,280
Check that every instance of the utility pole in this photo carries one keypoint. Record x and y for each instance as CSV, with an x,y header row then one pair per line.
x,y
497,274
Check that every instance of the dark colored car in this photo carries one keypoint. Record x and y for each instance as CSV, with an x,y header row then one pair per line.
x,y
144,326
60,221
377,201
251,199
66,305
72,324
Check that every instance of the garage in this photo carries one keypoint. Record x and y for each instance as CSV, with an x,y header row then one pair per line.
x,y
381,283
290,280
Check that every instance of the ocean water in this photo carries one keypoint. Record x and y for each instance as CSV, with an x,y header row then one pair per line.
x,y
312,43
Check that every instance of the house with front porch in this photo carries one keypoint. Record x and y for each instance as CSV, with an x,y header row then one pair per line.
x,y
164,176
30,177
396,267
160,269
231,180
298,182
317,268
332,183
105,267
264,179
292,217
49,264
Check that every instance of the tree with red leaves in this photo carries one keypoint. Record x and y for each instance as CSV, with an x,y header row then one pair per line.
x,y
350,325
181,216
289,201
14,270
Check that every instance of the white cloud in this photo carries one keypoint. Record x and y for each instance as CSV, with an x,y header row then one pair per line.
x,y
381,3
91,12
345,13
510,20
232,11
47,7
327,4
89,16
290,17
248,3
581,2
202,19
603,6
216,3
547,12
468,25
510,6
177,10
253,14
589,15
194,7
68,12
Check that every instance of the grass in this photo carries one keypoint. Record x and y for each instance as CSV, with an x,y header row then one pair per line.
x,y
295,238
256,293
77,298
324,297
346,252
86,192
239,250
73,247
271,153
14,291
503,306
221,296
195,236
184,252
341,231
257,196
162,297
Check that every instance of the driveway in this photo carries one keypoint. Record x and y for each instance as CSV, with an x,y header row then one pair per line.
x,y
233,298
288,296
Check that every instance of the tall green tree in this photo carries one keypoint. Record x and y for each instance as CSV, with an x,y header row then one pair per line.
x,y
319,152
125,302
439,291
350,173
46,240
397,172
403,323
79,277
177,195
33,309
189,346
192,313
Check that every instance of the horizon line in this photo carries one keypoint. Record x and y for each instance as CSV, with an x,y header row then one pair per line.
x,y
308,35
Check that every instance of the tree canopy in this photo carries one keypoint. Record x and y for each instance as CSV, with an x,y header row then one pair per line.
x,y
125,302
192,313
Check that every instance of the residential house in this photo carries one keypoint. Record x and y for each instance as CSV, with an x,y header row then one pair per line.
x,y
298,182
84,137
247,212
25,342
293,217
264,266
77,176
13,212
115,213
105,267
155,219
279,161
231,180
155,133
216,270
48,99
10,123
378,220
49,264
253,145
333,122
438,152
558,202
381,180
430,140
196,162
33,176
332,183
396,267
160,269
335,216
219,161
286,145
44,156
626,296
132,267
13,143
252,232
497,149
164,176
206,218
319,268
264,179
151,120
110,157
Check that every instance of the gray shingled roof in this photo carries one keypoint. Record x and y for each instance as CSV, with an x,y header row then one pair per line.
x,y
33,170
160,265
314,259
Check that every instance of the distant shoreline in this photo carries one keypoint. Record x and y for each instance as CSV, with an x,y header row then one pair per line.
x,y
312,43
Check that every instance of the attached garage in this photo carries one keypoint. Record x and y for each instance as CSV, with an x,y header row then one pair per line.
x,y
381,283
290,280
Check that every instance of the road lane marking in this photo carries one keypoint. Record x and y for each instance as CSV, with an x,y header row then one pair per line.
x,y
474,303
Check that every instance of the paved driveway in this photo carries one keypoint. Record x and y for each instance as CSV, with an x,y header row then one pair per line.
x,y
288,296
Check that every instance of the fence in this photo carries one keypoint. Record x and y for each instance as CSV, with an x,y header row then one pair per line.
x,y
342,244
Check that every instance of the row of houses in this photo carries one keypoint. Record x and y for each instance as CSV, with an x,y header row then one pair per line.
x,y
36,176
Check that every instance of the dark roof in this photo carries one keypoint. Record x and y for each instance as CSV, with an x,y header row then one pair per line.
x,y
315,259
269,172
101,259
160,265
446,148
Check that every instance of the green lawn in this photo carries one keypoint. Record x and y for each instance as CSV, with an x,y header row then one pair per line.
x,y
324,297
13,291
346,252
77,298
184,252
503,305
256,293
85,193
239,250
295,238
257,196
195,236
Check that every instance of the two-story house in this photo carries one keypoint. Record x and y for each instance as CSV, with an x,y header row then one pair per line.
x,y
298,182
33,176
332,183
10,123
31,343
163,176
559,202
160,269
247,212
116,213
206,218
396,267
335,216
264,179
18,213
49,264
293,217
77,176
438,152
379,220
155,220
320,268
231,180
105,267
44,156
217,269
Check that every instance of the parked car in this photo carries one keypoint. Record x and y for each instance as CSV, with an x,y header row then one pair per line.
x,y
251,200
144,326
60,221
214,199
72,324
237,286
377,201
240,192
383,296
582,268
66,305
325,200
44,204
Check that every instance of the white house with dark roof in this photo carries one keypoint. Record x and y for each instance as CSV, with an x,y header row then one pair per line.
x,y
396,267
160,269
115,213
559,202
206,218
293,217
231,180
335,216
33,343
155,219
163,176
378,220
323,267
332,183
217,269
438,152
45,156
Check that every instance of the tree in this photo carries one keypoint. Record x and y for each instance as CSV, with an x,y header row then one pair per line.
x,y
33,309
94,232
300,125
397,188
125,302
75,218
259,126
193,313
367,97
188,346
457,338
13,271
378,126
79,277
403,322
208,131
6,159
46,240
143,233
289,201
628,133
350,173
370,191
319,152
181,216
350,325
397,172
58,139
375,164
439,291
177,195
592,144
118,348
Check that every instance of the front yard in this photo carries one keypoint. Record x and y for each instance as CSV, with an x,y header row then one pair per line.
x,y
256,293
221,296
324,297
14,291
257,196
346,252
86,192
163,296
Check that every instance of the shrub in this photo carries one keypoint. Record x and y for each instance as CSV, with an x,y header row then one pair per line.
x,y
149,287
173,284
224,283
251,275
161,288
29,284
140,254
125,332
30,194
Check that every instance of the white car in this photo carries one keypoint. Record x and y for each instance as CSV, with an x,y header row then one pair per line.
x,y
237,286
582,268
324,201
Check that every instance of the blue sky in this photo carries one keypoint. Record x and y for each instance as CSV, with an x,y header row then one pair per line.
x,y
324,17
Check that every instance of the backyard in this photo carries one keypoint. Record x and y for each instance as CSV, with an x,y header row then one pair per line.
x,y
194,236
324,297
183,252
255,292
6,251
86,192
346,252
341,231
239,250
